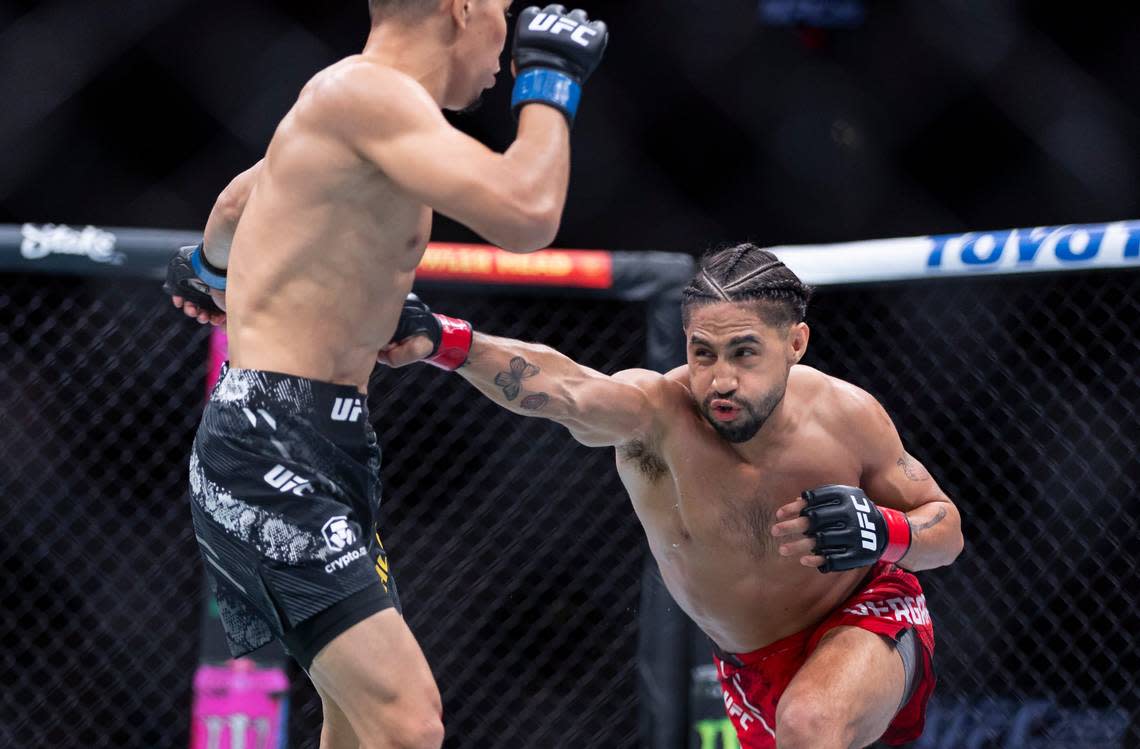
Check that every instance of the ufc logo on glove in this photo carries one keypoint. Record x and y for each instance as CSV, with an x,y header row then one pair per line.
x,y
555,52
851,531
554,24
863,512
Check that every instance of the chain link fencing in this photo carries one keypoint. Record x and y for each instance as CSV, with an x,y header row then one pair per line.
x,y
1020,394
517,555
515,550
100,392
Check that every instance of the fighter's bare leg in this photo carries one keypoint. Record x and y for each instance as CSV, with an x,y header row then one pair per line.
x,y
377,676
845,695
336,731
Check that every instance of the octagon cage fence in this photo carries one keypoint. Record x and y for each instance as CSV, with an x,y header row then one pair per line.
x,y
1007,359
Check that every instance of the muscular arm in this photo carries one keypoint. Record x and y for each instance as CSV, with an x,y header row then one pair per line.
x,y
223,220
894,478
513,199
535,380
217,239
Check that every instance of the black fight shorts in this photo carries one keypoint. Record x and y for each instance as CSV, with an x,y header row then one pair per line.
x,y
284,491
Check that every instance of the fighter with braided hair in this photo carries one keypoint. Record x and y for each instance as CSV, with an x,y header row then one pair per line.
x,y
752,474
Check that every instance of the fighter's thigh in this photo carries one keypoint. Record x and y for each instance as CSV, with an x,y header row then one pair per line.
x,y
847,692
377,675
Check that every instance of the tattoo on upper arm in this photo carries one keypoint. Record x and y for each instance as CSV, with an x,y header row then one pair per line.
x,y
938,518
912,468
511,380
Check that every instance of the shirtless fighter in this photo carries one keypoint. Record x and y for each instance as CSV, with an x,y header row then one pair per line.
x,y
751,475
326,233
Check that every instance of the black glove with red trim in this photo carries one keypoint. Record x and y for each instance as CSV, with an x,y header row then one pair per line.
x,y
851,531
451,338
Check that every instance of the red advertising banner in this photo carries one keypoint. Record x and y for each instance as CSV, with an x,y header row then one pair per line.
x,y
588,269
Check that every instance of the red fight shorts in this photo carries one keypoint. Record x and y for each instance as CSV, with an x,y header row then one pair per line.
x,y
889,602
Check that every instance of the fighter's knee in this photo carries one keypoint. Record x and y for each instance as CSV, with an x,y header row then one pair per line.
x,y
414,730
424,732
805,723
419,725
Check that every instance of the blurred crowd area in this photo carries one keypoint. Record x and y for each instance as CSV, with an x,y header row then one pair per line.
x,y
707,122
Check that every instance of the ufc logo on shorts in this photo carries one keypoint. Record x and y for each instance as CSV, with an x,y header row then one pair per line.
x,y
346,409
284,480
555,24
338,533
863,512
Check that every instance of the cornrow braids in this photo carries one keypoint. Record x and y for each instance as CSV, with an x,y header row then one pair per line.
x,y
747,273
712,284
741,280
738,253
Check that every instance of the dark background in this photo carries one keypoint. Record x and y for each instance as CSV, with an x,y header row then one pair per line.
x,y
702,125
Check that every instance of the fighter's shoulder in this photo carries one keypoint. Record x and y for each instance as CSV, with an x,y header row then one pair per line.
x,y
664,394
652,381
359,91
658,386
835,402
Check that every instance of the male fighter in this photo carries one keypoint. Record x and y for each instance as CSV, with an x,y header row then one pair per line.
x,y
333,222
751,475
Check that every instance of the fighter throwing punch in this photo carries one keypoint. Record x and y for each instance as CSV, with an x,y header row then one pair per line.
x,y
751,474
333,222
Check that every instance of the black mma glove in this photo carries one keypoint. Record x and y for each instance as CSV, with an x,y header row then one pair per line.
x,y
451,338
190,276
851,531
554,53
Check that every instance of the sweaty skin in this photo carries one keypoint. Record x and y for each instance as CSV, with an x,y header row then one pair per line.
x,y
335,219
722,518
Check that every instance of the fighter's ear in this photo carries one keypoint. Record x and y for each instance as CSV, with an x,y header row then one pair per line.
x,y
798,340
460,11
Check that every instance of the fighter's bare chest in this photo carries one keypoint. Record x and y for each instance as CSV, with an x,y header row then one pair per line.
x,y
718,499
721,501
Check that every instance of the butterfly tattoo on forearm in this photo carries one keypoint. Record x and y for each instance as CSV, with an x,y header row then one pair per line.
x,y
511,383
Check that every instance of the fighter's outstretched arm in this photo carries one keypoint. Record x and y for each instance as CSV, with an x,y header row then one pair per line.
x,y
536,380
532,379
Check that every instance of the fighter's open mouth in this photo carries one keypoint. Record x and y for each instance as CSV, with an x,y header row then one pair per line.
x,y
724,410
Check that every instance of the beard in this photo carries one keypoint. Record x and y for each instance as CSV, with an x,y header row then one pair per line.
x,y
750,418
